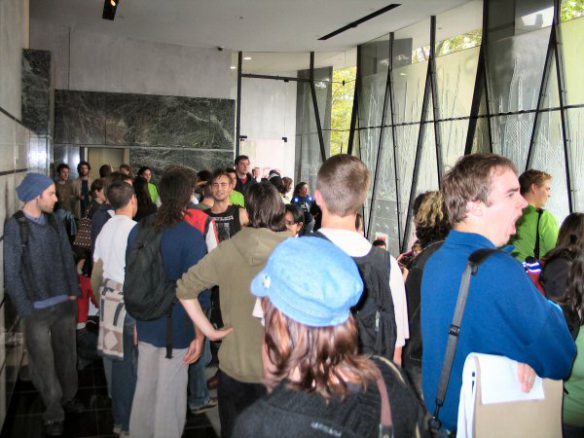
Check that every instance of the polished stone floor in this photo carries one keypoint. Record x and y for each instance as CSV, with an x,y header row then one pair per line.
x,y
23,419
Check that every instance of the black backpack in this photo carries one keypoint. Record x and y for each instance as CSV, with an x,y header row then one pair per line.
x,y
148,293
374,312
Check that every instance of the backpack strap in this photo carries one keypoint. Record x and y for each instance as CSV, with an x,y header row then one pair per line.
x,y
536,250
472,267
385,421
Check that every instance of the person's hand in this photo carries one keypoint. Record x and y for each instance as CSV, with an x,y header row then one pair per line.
x,y
218,334
526,376
194,352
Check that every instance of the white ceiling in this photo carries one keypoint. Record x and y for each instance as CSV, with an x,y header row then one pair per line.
x,y
247,25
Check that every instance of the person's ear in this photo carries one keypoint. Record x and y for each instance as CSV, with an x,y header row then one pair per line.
x,y
319,199
475,208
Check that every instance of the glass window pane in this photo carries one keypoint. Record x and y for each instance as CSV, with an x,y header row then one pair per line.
x,y
572,43
453,140
549,157
514,132
576,118
459,28
384,215
374,66
456,76
515,70
407,138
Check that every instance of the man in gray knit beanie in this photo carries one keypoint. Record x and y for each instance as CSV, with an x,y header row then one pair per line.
x,y
41,280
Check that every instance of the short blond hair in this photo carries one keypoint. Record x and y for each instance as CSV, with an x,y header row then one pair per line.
x,y
343,180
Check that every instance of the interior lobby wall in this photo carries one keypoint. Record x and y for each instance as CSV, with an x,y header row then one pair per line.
x,y
96,62
15,140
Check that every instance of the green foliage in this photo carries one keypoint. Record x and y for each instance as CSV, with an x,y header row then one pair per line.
x,y
571,9
342,106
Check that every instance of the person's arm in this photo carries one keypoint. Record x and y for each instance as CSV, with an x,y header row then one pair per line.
x,y
68,260
525,326
243,217
195,349
205,274
398,295
13,272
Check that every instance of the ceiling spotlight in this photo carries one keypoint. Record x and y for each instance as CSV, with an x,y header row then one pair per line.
x,y
109,9
233,67
247,58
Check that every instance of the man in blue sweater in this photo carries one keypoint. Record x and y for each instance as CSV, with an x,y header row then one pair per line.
x,y
505,314
41,280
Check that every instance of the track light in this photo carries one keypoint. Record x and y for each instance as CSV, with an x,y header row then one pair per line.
x,y
109,9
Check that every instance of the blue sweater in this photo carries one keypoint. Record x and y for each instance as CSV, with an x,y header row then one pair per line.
x,y
50,266
505,315
182,246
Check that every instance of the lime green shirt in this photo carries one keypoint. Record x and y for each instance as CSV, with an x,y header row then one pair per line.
x,y
237,198
524,240
153,192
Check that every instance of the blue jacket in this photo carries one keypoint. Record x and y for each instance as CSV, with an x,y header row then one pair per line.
x,y
505,315
182,246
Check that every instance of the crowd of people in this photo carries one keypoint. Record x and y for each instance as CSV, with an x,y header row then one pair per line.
x,y
319,331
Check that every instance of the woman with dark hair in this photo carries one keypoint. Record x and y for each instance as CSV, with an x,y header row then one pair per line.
x,y
145,205
146,173
432,226
556,265
572,303
318,384
294,219
160,401
232,266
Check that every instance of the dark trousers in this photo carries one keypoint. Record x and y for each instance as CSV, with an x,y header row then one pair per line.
x,y
52,356
234,396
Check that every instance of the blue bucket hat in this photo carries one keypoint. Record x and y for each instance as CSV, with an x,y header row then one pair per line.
x,y
311,281
32,186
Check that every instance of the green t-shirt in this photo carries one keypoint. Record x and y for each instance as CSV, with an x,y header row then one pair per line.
x,y
574,397
237,198
153,192
524,240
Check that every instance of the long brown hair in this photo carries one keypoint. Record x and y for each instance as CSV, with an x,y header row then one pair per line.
x,y
326,358
175,190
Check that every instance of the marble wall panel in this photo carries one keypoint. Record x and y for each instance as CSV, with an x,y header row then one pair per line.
x,y
159,159
183,122
36,92
131,120
221,124
79,117
209,160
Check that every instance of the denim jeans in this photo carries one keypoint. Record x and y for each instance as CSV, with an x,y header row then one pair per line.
x,y
234,396
198,391
52,356
124,373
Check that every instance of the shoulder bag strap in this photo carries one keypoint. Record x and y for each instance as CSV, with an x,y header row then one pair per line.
x,y
385,421
537,249
474,261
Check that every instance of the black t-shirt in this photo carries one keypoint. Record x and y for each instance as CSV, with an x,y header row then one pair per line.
x,y
228,222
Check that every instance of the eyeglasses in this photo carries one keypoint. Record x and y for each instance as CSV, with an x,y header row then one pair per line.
x,y
290,223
